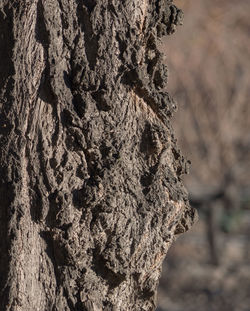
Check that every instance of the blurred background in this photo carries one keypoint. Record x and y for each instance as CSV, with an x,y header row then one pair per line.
x,y
208,268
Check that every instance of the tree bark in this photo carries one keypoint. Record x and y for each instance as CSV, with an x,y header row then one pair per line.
x,y
90,188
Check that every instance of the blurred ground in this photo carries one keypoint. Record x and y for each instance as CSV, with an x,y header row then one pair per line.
x,y
208,60
191,283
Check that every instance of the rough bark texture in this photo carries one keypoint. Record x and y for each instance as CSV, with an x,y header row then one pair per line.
x,y
90,190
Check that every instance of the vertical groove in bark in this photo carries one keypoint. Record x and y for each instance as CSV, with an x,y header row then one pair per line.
x,y
91,195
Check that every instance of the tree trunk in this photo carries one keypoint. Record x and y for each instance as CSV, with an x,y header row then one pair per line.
x,y
90,188
212,232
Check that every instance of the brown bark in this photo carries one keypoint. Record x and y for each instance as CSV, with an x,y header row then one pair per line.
x,y
90,188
